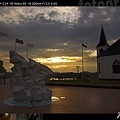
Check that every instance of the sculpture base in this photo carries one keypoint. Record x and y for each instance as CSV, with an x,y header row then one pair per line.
x,y
12,102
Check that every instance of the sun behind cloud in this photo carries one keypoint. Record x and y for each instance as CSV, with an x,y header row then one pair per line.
x,y
57,59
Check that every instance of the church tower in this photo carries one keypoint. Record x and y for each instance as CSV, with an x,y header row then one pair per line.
x,y
102,45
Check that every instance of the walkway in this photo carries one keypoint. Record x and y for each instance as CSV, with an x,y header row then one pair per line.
x,y
72,100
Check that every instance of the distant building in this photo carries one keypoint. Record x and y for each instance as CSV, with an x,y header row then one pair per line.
x,y
2,70
108,59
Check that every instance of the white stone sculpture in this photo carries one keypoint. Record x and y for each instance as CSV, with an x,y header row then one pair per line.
x,y
28,80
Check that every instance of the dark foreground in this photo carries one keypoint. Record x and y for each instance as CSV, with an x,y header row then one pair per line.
x,y
73,100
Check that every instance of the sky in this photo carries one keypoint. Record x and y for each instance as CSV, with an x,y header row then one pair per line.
x,y
57,34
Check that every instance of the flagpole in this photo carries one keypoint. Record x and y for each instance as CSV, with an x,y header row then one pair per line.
x,y
27,49
82,58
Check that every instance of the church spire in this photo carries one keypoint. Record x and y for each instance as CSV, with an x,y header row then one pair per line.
x,y
103,41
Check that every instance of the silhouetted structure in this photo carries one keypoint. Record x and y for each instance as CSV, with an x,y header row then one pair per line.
x,y
70,76
108,59
78,69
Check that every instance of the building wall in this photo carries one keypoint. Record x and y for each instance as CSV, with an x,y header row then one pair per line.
x,y
106,67
98,49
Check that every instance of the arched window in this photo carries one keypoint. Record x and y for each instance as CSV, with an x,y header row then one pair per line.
x,y
101,50
116,66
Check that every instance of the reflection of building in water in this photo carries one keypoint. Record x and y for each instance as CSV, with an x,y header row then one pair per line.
x,y
2,69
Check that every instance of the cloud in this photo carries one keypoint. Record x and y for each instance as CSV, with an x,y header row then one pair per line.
x,y
18,15
57,32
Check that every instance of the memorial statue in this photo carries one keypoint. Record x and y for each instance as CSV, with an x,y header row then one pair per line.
x,y
28,80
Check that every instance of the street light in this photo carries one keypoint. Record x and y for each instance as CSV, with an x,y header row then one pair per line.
x,y
78,68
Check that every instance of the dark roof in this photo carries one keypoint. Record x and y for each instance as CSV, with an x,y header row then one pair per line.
x,y
102,41
114,49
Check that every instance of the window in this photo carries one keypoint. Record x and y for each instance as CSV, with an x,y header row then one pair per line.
x,y
101,50
116,66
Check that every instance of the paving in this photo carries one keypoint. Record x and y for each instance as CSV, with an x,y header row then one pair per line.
x,y
87,85
71,100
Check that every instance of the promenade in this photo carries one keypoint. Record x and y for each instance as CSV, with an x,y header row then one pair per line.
x,y
71,100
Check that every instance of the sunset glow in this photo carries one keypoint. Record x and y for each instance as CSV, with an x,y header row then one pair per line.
x,y
57,34
63,59
57,60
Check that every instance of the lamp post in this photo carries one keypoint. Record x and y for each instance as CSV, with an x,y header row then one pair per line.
x,y
78,68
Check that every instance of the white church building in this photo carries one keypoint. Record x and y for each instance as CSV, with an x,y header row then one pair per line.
x,y
108,59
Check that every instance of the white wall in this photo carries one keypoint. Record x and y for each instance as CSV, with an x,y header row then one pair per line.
x,y
98,49
106,67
